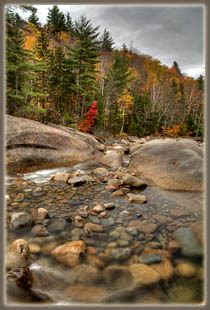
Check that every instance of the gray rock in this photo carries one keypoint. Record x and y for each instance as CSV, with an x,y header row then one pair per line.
x,y
107,222
20,220
56,225
150,259
189,243
121,254
80,180
39,231
171,164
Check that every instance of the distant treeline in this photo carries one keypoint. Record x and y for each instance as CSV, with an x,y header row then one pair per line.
x,y
56,70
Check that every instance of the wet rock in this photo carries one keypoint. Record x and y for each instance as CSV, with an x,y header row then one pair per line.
x,y
178,212
165,269
76,181
142,226
109,206
86,274
34,248
17,254
20,197
137,198
83,211
20,220
49,247
118,276
95,261
185,269
118,193
121,254
56,225
21,276
114,182
79,221
143,274
85,294
42,214
160,218
100,171
154,245
76,233
61,177
98,209
133,181
40,231
112,159
107,222
189,243
132,231
174,246
91,227
171,164
70,252
149,259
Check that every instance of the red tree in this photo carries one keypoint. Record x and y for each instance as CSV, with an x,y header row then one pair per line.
x,y
89,119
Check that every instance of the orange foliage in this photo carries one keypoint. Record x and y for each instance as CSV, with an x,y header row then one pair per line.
x,y
172,131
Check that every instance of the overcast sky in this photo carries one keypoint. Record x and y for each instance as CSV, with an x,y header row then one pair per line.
x,y
165,32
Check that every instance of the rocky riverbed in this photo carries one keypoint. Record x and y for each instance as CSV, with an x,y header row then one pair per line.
x,y
98,233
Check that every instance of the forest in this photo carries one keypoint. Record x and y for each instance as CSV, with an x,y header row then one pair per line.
x,y
69,73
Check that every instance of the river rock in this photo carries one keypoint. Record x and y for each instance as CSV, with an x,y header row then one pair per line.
x,y
171,164
61,177
118,276
185,269
21,276
136,198
39,231
20,220
30,143
189,242
112,159
91,227
133,181
85,294
70,252
42,214
85,274
121,254
76,181
165,269
100,171
79,221
143,274
17,254
98,209
109,206
174,246
142,226
149,259
57,225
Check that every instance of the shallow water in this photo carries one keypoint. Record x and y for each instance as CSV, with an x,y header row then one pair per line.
x,y
53,278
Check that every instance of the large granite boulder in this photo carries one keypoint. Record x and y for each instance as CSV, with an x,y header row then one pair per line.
x,y
32,144
169,163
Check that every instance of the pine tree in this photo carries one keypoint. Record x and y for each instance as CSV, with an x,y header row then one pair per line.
x,y
200,82
83,59
56,20
106,41
34,19
116,82
16,62
69,24
176,67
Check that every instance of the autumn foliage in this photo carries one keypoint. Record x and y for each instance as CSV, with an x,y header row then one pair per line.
x,y
89,119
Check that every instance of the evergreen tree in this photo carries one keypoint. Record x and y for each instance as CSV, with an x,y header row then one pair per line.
x,y
16,62
200,82
176,67
56,20
116,82
106,41
83,59
69,24
34,19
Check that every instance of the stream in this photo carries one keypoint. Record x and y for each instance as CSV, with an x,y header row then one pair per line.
x,y
104,272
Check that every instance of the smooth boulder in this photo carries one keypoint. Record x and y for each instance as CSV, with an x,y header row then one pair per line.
x,y
33,144
169,163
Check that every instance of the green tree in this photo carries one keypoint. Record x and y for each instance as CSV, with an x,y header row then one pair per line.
x,y
34,19
56,20
176,67
106,41
69,23
83,59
